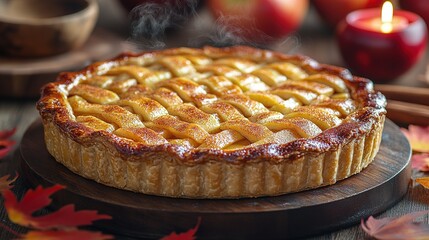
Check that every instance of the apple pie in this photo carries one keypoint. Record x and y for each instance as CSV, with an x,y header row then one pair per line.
x,y
212,122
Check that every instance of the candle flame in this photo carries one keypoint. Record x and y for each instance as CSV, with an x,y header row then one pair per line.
x,y
386,17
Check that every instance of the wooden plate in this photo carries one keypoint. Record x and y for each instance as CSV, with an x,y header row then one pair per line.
x,y
23,77
302,214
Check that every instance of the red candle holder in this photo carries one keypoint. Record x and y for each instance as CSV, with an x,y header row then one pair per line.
x,y
381,56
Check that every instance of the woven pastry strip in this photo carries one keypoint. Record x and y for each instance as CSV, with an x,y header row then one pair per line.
x,y
276,95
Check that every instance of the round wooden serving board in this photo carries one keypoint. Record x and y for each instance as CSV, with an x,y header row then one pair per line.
x,y
302,214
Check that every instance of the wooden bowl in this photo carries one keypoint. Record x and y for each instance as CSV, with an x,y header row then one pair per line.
x,y
34,28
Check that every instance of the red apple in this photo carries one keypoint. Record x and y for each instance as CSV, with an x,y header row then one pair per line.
x,y
275,18
420,7
333,11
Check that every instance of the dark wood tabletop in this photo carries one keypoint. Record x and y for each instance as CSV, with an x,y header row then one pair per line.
x,y
313,39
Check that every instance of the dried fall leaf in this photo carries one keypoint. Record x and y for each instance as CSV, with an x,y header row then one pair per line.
x,y
6,145
418,137
188,235
400,228
5,182
21,212
65,235
420,162
5,134
67,217
424,181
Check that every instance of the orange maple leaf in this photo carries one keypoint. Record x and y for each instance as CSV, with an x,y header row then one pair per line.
x,y
6,145
6,182
188,235
418,137
65,235
21,212
400,228
424,181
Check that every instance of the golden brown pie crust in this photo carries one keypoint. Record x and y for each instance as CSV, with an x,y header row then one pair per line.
x,y
343,135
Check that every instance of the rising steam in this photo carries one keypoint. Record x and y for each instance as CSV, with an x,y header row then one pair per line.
x,y
224,32
151,20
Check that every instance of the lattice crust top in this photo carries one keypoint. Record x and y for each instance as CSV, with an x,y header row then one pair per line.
x,y
213,99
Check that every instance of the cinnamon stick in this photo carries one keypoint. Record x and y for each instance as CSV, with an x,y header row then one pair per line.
x,y
409,113
404,93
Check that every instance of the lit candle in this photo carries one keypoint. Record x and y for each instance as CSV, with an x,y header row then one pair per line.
x,y
381,44
386,23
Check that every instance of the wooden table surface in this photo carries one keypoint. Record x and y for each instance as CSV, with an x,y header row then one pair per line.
x,y
313,40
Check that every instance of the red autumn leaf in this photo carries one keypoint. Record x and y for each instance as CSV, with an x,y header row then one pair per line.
x,y
5,182
7,133
33,200
189,235
418,137
420,162
400,228
67,217
6,145
65,235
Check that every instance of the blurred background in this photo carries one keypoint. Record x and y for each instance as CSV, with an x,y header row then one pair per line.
x,y
115,26
40,39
